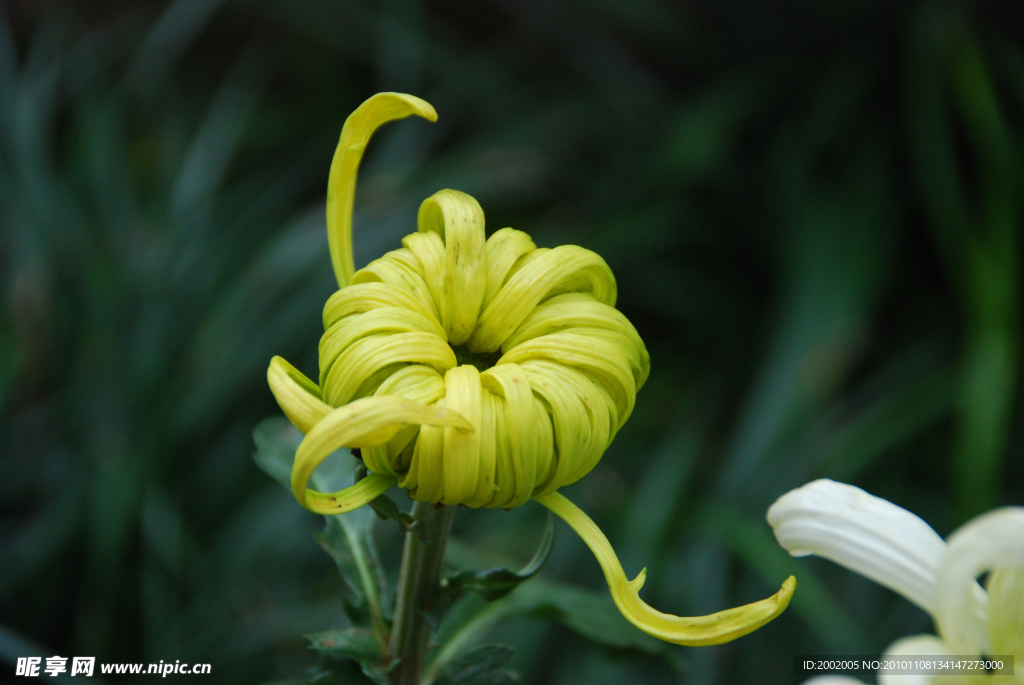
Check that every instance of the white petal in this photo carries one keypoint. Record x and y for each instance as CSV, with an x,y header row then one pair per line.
x,y
864,533
833,680
1006,611
924,645
993,540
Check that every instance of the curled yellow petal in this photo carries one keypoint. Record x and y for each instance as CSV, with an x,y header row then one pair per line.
x,y
358,364
362,423
458,219
351,498
341,184
697,631
461,466
503,249
566,268
299,397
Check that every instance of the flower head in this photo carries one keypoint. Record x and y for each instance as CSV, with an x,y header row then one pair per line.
x,y
475,372
895,548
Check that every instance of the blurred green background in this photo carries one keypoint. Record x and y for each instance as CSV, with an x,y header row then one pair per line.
x,y
812,210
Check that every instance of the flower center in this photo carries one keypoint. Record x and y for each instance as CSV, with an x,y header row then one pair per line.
x,y
481,360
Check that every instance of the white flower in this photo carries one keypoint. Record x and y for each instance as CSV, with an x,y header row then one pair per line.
x,y
897,549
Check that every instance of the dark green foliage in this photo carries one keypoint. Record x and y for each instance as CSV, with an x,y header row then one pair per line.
x,y
495,583
348,540
353,644
482,666
812,211
276,440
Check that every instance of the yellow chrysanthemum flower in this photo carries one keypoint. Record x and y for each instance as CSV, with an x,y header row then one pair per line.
x,y
476,372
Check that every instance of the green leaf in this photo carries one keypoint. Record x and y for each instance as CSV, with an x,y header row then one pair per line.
x,y
343,673
495,583
357,643
991,355
347,538
354,644
969,190
334,540
356,612
591,614
276,441
482,666
332,672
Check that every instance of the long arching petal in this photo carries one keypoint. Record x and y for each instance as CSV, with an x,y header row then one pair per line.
x,y
866,534
693,631
341,184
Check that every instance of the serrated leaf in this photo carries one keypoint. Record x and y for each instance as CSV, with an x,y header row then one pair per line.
x,y
347,538
330,672
339,672
495,583
375,674
333,540
482,666
356,612
357,643
591,614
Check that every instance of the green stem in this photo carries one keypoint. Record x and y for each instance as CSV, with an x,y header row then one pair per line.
x,y
418,586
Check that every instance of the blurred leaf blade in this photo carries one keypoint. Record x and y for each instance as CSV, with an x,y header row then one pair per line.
x,y
482,666
754,544
495,583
